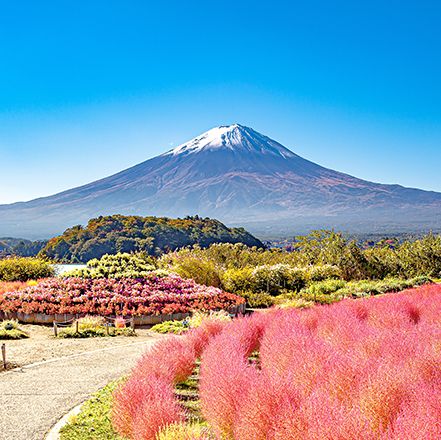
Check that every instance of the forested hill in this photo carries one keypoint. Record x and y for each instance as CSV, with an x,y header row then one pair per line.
x,y
20,246
154,235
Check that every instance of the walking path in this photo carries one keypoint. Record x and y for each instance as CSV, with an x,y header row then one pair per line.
x,y
33,398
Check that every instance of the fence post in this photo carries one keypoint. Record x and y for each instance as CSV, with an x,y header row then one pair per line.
x,y
55,329
132,323
4,355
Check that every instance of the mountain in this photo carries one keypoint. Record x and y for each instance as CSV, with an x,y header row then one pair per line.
x,y
239,176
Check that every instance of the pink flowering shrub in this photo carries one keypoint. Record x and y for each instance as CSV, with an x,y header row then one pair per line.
x,y
146,404
124,297
357,370
143,406
224,381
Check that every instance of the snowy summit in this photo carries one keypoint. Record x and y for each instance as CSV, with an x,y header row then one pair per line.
x,y
233,137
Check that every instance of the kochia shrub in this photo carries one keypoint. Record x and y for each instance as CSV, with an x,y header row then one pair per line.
x,y
366,369
24,269
146,405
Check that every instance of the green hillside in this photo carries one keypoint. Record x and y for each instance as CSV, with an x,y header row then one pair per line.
x,y
153,235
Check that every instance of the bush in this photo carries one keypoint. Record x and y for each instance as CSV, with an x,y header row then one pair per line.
x,y
272,279
295,303
195,321
258,300
238,280
187,264
198,318
9,329
368,287
146,404
325,287
174,327
24,269
94,326
323,272
322,373
123,297
320,298
121,265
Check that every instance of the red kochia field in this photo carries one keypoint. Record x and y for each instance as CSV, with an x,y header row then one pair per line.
x,y
357,370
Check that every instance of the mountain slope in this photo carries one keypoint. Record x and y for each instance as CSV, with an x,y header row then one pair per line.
x,y
232,173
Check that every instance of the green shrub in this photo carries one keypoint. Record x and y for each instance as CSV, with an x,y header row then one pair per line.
x,y
420,280
238,280
24,269
175,327
321,298
187,264
121,265
196,320
9,329
295,303
325,287
323,272
259,299
368,287
272,279
91,327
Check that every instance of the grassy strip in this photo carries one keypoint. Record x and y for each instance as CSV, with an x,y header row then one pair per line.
x,y
93,421
70,332
188,394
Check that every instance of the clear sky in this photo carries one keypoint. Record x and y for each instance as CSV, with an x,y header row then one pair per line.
x,y
88,88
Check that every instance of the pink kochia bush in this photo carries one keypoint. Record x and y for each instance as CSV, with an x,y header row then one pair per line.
x,y
146,403
357,370
124,297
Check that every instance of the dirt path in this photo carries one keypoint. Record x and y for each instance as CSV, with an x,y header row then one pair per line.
x,y
42,345
34,397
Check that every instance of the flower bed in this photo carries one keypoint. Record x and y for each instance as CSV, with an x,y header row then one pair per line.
x,y
12,286
356,370
126,297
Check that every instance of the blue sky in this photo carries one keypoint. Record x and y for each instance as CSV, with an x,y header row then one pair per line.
x,y
88,88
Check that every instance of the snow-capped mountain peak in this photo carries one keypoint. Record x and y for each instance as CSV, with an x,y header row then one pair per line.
x,y
235,137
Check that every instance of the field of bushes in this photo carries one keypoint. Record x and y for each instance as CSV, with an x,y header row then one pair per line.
x,y
323,267
356,370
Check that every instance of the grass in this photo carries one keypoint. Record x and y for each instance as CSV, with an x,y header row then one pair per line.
x,y
92,327
188,394
9,329
70,332
93,421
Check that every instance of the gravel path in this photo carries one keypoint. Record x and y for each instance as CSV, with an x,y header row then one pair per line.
x,y
35,397
42,346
